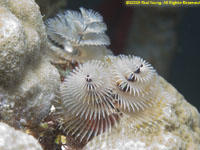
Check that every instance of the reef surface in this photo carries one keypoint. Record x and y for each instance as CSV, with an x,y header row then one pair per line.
x,y
28,81
13,139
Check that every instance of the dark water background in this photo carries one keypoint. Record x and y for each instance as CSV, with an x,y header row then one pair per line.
x,y
184,71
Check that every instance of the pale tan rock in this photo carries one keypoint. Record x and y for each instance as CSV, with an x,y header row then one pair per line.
x,y
12,46
28,82
180,129
22,39
12,139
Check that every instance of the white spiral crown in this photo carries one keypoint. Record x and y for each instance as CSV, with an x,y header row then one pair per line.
x,y
132,78
87,97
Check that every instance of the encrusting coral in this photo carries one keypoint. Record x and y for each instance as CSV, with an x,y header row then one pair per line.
x,y
22,38
28,82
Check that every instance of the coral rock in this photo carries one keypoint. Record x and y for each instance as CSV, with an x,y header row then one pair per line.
x,y
12,139
12,45
28,82
22,36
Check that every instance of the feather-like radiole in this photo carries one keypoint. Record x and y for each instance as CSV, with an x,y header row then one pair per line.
x,y
86,96
73,32
135,82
